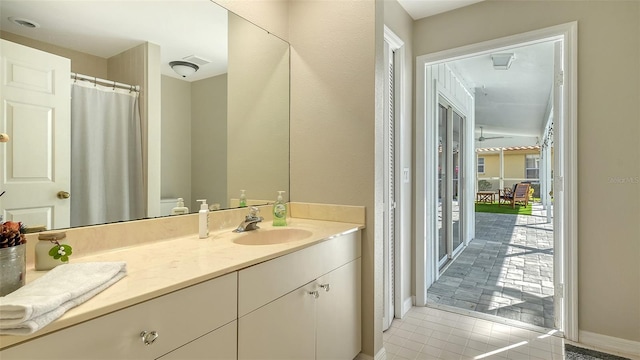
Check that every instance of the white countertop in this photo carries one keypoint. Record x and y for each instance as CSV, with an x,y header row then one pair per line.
x,y
158,268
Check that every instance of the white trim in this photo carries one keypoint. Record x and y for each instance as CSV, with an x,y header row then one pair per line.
x,y
493,318
407,304
570,33
422,173
609,343
566,32
381,355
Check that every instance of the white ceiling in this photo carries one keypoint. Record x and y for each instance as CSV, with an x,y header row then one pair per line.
x,y
511,104
419,9
515,102
105,28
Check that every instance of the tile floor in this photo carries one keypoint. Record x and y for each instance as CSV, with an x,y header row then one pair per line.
x,y
433,334
428,333
507,270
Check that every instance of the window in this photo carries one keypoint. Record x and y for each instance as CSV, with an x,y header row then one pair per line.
x,y
481,165
532,166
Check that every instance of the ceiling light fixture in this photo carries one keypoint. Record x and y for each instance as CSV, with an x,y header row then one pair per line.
x,y
183,68
24,22
502,61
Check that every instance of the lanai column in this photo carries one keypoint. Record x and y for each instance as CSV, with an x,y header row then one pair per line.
x,y
501,168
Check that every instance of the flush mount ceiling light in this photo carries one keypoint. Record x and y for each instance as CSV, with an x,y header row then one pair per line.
x,y
183,68
24,22
502,61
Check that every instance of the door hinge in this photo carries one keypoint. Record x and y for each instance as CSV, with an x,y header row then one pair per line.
x,y
559,290
559,78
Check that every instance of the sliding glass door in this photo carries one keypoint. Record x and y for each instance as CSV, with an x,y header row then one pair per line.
x,y
450,161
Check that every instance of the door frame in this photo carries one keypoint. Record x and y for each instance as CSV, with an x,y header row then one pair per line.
x,y
451,251
566,187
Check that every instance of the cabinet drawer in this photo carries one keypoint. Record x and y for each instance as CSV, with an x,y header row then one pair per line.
x,y
178,318
267,281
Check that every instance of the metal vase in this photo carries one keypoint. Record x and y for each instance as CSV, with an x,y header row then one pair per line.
x,y
13,268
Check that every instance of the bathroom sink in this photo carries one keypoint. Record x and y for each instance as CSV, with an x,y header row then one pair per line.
x,y
271,236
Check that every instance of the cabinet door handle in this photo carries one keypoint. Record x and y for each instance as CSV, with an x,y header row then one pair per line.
x,y
148,338
315,294
326,287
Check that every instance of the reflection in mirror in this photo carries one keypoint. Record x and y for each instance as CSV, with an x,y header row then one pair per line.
x,y
209,135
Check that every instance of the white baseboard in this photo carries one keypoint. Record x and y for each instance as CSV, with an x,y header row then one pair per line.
x,y
381,355
604,342
407,304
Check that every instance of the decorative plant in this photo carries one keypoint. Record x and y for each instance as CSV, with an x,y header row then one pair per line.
x,y
12,234
60,251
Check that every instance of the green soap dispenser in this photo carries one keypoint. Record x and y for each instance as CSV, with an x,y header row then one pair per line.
x,y
280,211
243,199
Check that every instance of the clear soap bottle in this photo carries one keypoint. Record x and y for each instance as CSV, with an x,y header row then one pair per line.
x,y
203,220
279,211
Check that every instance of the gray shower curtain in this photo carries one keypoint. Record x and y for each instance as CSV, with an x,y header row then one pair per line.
x,y
106,155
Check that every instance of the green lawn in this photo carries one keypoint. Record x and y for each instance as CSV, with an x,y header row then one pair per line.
x,y
504,209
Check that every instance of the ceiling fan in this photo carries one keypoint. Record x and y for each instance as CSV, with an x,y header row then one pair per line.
x,y
483,138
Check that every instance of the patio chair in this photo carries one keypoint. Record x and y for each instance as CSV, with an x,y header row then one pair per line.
x,y
505,195
520,194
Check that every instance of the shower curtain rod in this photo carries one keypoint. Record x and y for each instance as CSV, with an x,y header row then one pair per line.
x,y
104,82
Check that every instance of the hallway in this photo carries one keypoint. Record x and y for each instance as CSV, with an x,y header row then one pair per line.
x,y
506,271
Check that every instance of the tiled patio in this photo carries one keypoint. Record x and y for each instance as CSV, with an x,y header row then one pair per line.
x,y
506,271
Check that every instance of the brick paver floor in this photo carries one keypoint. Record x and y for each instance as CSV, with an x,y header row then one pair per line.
x,y
507,270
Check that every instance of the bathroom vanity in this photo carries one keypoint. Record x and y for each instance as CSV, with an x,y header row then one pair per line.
x,y
225,297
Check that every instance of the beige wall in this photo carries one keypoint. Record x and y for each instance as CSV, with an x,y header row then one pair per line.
x,y
272,15
608,128
194,140
208,144
491,165
176,133
334,124
258,112
513,166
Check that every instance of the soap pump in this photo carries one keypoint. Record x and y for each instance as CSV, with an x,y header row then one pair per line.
x,y
203,220
180,209
279,211
243,199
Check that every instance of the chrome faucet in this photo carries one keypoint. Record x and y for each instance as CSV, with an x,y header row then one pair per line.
x,y
250,221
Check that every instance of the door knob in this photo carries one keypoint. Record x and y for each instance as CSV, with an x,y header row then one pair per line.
x,y
63,195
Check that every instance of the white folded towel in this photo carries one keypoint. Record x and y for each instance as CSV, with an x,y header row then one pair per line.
x,y
38,303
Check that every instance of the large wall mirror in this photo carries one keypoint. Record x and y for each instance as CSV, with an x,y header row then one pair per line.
x,y
206,134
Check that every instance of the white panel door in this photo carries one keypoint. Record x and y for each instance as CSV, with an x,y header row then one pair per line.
x,y
35,101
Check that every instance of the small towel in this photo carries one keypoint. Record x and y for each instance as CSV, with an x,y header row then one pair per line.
x,y
38,303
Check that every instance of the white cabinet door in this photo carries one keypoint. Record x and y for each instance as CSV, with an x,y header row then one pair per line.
x,y
338,313
35,101
219,344
282,329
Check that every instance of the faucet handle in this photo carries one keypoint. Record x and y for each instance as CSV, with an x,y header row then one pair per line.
x,y
253,212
